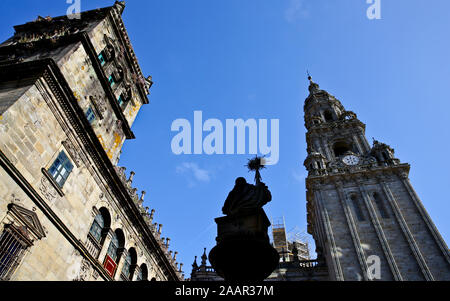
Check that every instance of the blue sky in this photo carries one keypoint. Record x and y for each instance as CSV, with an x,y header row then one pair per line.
x,y
248,59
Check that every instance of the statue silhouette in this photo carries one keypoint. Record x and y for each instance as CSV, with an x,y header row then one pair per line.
x,y
245,196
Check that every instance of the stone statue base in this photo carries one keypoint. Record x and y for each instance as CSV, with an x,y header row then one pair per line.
x,y
243,250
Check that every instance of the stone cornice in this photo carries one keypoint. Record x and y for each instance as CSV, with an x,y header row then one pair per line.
x,y
356,173
313,183
121,32
335,127
26,48
52,29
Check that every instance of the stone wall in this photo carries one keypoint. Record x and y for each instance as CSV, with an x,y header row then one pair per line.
x,y
31,137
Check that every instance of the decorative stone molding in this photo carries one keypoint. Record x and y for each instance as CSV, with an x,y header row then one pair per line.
x,y
73,152
85,271
403,175
48,190
95,275
15,200
28,218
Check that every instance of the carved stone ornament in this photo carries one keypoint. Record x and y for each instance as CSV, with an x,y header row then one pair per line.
x,y
48,191
74,153
28,218
14,199
85,271
339,184
369,160
121,173
95,275
403,175
101,104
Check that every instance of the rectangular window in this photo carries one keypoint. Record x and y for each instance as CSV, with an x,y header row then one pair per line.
x,y
120,101
111,81
11,251
90,115
101,58
61,169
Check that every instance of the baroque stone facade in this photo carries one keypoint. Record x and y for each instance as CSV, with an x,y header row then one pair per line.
x,y
366,219
70,90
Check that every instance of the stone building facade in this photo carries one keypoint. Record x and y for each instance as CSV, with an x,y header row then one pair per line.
x,y
366,219
70,90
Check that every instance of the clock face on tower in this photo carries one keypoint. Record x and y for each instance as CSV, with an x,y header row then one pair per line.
x,y
351,160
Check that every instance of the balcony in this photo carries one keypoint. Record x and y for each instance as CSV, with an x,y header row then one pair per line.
x,y
92,246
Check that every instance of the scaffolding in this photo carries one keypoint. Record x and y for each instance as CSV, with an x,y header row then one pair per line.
x,y
302,242
284,242
280,242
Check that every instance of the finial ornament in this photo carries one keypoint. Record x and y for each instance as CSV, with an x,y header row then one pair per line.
x,y
204,258
194,265
313,87
256,164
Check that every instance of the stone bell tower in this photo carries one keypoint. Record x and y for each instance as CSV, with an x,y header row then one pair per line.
x,y
366,218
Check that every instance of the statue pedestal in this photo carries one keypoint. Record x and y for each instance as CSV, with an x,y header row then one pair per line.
x,y
243,250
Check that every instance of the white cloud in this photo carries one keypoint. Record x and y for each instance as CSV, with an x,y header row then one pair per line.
x,y
296,10
193,171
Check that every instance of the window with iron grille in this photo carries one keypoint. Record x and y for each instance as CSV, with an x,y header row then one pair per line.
x,y
13,244
61,169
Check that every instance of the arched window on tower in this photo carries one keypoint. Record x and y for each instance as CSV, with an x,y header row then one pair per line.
x,y
340,148
380,205
357,208
328,116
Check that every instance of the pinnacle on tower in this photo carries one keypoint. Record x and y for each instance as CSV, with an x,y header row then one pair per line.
x,y
204,258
